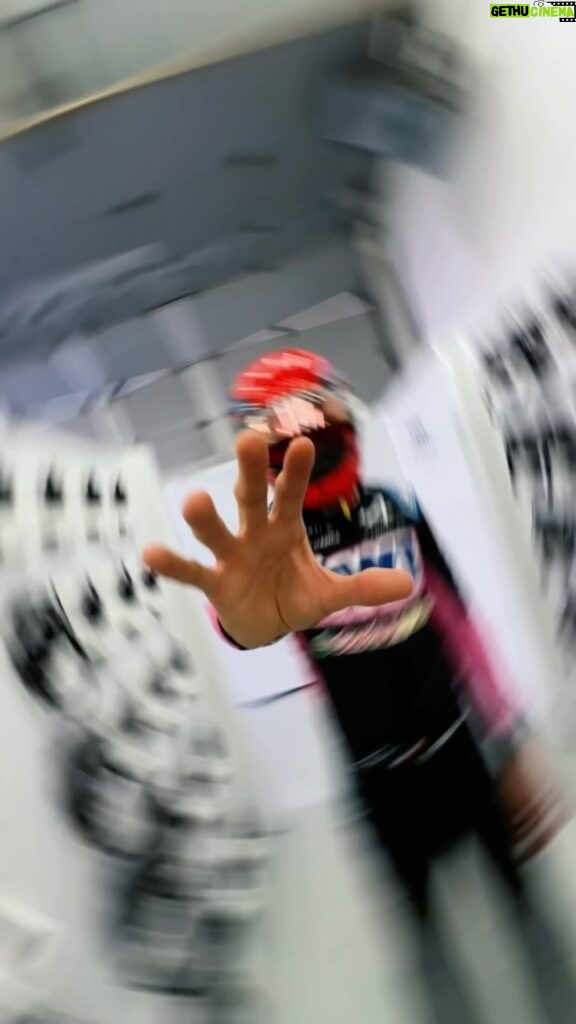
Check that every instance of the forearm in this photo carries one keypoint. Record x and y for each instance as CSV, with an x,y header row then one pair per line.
x,y
224,635
213,615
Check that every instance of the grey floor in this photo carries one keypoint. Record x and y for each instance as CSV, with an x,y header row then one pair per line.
x,y
336,948
339,950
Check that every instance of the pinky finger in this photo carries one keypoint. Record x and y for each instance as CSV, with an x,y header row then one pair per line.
x,y
175,567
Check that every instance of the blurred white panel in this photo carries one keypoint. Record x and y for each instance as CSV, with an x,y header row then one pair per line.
x,y
492,236
135,383
162,415
259,338
246,305
339,307
133,348
439,437
61,409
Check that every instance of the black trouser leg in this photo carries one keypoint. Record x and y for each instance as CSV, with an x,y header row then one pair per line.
x,y
418,811
550,972
448,998
407,813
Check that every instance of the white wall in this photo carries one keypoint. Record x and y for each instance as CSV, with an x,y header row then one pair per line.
x,y
481,244
462,482
503,221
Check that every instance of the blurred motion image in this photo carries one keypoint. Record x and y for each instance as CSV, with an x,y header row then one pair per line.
x,y
358,574
287,530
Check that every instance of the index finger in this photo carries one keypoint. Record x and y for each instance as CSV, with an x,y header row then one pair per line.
x,y
251,490
291,485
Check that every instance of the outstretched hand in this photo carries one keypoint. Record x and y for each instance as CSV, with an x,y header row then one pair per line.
x,y
266,581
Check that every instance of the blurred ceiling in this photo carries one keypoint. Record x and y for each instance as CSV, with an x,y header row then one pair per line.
x,y
169,190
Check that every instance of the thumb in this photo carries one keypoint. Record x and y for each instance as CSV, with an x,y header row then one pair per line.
x,y
369,588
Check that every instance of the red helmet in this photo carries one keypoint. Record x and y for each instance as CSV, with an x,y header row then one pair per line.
x,y
285,394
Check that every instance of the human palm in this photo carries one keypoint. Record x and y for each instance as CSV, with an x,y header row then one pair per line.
x,y
266,581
